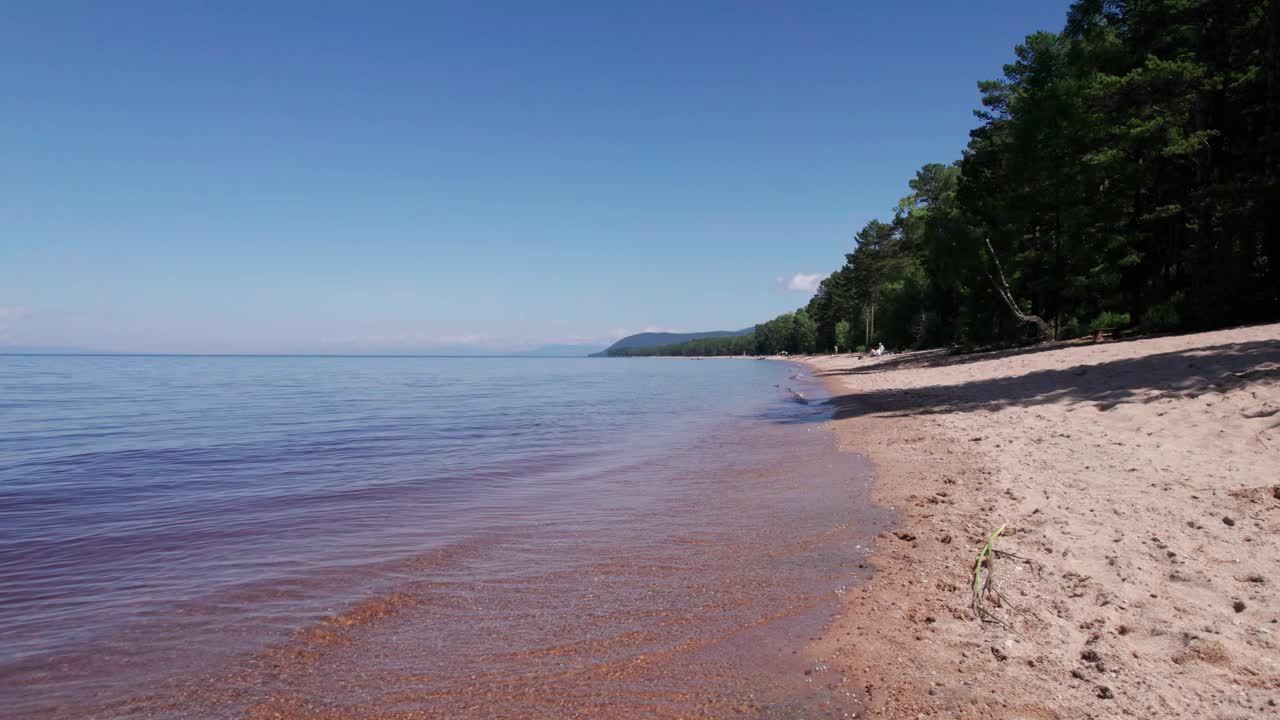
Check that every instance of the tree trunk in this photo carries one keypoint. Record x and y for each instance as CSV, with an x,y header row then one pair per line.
x,y
1002,287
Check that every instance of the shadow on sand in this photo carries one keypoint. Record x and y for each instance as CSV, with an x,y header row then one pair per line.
x,y
1150,378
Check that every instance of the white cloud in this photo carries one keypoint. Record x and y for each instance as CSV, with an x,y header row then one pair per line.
x,y
430,342
409,340
8,314
800,282
578,340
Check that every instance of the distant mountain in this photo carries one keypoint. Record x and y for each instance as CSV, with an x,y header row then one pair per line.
x,y
38,350
657,339
562,351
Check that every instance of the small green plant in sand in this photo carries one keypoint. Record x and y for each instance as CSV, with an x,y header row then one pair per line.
x,y
984,588
985,594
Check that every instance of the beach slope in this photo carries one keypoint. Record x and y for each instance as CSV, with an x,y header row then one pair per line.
x,y
1140,481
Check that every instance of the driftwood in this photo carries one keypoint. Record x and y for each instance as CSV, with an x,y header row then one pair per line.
x,y
1002,287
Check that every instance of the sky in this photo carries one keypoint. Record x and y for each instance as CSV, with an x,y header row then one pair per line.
x,y
237,177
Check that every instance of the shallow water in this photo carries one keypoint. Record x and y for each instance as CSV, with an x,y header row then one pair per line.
x,y
417,537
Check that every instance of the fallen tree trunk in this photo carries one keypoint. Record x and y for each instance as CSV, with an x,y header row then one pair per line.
x,y
1002,287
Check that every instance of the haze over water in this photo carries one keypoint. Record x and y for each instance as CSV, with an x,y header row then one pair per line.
x,y
349,536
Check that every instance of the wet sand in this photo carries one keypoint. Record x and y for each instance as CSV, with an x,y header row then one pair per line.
x,y
1141,483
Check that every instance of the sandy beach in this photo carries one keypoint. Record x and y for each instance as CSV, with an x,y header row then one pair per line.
x,y
1140,482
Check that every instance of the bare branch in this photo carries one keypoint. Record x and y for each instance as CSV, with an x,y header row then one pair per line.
x,y
1002,287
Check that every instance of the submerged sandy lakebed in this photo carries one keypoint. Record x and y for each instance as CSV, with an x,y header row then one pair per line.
x,y
1140,481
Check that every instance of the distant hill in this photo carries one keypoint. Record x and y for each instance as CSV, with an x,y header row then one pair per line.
x,y
656,339
562,351
38,350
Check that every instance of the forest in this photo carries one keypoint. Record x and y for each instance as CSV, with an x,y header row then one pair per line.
x,y
1123,177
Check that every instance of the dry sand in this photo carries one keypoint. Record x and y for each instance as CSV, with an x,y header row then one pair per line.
x,y
1141,483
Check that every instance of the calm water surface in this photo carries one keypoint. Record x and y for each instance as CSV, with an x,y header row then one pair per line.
x,y
417,537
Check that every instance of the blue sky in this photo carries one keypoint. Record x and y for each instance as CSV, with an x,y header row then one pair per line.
x,y
352,177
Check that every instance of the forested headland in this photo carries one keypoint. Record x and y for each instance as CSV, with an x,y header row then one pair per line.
x,y
1125,175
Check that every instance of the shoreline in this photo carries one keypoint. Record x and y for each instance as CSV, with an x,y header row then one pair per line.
x,y
1139,483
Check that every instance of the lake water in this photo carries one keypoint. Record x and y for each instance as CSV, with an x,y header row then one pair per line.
x,y
418,537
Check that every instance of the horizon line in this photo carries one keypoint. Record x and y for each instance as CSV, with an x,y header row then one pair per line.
x,y
317,355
